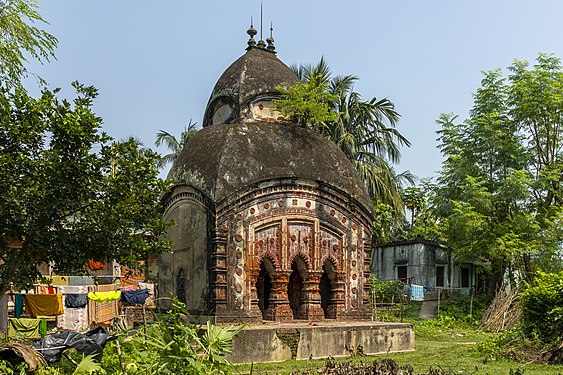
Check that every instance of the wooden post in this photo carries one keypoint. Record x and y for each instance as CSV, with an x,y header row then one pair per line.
x,y
471,303
121,362
438,310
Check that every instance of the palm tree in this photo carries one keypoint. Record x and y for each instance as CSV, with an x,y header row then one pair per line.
x,y
173,144
365,131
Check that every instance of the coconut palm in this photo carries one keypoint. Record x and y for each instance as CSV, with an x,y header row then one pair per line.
x,y
173,144
365,131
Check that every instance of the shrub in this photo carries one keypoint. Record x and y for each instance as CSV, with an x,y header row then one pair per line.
x,y
542,307
459,308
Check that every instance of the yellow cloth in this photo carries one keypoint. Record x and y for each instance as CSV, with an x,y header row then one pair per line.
x,y
26,328
44,304
59,280
104,296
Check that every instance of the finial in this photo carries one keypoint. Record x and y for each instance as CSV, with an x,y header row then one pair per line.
x,y
270,40
251,32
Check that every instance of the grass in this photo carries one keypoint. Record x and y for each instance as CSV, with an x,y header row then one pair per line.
x,y
439,344
452,350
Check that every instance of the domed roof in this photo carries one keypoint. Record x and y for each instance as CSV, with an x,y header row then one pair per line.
x,y
256,74
225,158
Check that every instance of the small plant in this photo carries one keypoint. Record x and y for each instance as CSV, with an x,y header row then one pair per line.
x,y
173,345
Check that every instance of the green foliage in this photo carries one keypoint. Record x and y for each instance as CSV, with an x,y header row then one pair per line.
x,y
69,192
87,365
10,369
308,102
173,144
542,307
20,38
385,290
499,194
363,129
175,346
459,308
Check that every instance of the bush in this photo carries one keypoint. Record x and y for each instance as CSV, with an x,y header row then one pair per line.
x,y
542,307
459,308
385,291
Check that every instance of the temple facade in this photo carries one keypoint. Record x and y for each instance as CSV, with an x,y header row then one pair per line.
x,y
271,221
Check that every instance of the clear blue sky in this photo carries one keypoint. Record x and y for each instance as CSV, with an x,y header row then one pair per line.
x,y
156,62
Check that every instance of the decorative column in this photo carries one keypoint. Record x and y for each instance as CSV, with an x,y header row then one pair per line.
x,y
279,300
254,308
219,271
310,308
338,294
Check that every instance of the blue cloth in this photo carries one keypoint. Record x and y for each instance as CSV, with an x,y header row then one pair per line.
x,y
417,293
76,300
134,297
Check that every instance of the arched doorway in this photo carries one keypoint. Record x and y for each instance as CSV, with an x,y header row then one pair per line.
x,y
181,286
264,286
295,287
326,289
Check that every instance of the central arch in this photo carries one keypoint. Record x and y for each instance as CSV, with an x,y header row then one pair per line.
x,y
326,287
264,287
295,287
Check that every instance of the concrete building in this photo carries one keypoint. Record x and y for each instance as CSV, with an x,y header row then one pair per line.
x,y
424,263
271,220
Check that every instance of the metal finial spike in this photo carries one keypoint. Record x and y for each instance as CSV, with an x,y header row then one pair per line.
x,y
261,20
270,40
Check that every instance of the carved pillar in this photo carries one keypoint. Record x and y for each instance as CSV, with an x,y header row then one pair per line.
x,y
310,308
338,294
219,270
279,301
365,303
254,308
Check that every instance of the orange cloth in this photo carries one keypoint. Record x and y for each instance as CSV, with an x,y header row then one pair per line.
x,y
44,304
95,266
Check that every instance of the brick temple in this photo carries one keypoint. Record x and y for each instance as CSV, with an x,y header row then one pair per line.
x,y
271,220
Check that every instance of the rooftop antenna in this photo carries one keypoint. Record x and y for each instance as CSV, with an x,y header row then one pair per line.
x,y
261,42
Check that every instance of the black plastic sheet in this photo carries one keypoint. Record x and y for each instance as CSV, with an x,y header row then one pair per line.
x,y
91,342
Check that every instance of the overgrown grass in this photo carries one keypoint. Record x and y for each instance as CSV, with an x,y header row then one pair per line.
x,y
451,343
437,346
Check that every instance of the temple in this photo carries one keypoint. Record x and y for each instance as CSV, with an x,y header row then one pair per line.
x,y
271,220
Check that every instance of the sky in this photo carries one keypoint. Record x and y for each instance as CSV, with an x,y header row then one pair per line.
x,y
156,62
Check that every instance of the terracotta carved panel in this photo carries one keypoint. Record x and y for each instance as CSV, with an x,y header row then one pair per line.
x,y
268,241
300,239
330,245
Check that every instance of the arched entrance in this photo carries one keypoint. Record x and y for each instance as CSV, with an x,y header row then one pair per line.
x,y
264,286
181,286
295,287
326,290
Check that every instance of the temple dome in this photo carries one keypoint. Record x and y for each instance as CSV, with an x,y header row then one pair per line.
x,y
250,82
244,142
229,157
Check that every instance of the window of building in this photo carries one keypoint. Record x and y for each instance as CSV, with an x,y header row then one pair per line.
x,y
440,272
465,277
402,273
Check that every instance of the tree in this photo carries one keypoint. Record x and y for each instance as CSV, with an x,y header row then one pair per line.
x,y
364,130
499,192
69,192
18,38
174,145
